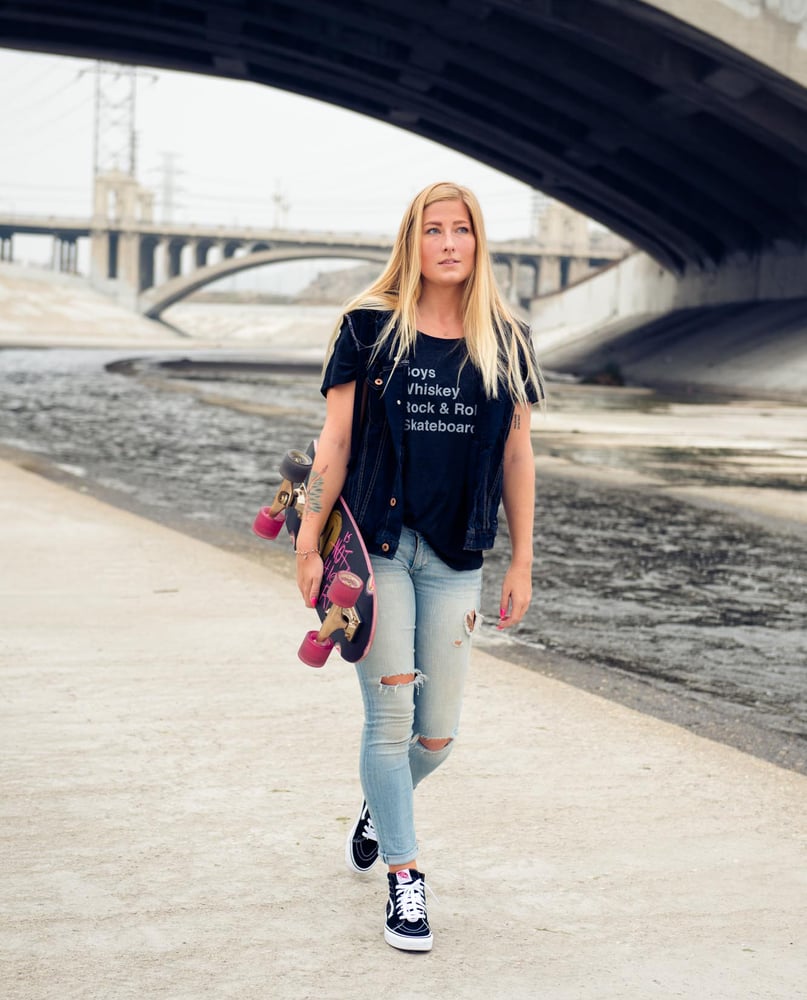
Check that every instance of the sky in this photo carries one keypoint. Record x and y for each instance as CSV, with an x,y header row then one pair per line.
x,y
237,152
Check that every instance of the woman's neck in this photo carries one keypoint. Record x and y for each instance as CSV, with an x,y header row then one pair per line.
x,y
439,313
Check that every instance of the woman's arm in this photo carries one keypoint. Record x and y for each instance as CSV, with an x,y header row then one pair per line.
x,y
325,483
518,496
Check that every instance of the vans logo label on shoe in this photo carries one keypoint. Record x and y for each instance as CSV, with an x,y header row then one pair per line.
x,y
404,875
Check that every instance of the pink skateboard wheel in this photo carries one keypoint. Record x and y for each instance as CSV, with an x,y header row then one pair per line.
x,y
314,653
345,589
267,526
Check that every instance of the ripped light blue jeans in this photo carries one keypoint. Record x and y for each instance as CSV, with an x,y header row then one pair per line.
x,y
426,614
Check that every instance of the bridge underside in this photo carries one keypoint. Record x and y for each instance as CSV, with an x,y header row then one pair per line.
x,y
664,134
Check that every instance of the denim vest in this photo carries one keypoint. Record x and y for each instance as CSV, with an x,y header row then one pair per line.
x,y
374,485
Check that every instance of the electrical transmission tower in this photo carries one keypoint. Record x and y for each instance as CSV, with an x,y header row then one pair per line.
x,y
115,134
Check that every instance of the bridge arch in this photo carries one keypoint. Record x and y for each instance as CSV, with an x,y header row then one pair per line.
x,y
667,134
158,298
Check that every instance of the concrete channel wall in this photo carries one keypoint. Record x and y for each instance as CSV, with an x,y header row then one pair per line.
x,y
743,328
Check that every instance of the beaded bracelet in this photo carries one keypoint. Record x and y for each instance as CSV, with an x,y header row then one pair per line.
x,y
306,552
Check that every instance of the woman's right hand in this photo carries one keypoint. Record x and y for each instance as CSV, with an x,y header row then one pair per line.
x,y
309,577
325,483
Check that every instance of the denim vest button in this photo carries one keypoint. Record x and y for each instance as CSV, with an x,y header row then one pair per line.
x,y
385,547
392,502
379,381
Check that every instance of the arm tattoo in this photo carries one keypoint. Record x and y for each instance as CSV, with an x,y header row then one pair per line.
x,y
516,421
316,486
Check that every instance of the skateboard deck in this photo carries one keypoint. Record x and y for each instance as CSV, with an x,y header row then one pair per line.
x,y
346,605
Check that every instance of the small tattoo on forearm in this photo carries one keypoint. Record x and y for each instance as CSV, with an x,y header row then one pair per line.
x,y
316,486
517,421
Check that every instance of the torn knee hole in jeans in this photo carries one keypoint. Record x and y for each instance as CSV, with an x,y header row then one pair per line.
x,y
434,744
395,681
471,621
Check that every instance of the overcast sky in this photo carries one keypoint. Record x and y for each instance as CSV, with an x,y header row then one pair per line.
x,y
237,148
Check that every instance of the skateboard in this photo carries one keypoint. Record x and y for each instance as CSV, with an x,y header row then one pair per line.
x,y
347,603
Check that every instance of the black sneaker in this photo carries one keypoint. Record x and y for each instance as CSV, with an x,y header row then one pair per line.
x,y
407,926
361,850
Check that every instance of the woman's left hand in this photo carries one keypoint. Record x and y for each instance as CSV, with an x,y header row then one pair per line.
x,y
516,594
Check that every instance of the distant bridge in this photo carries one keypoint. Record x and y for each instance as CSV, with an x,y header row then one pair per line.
x,y
150,265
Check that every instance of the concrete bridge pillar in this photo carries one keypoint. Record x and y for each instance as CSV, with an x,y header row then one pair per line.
x,y
6,248
549,275
119,204
529,283
64,256
174,255
167,254
579,267
148,262
201,249
128,269
160,261
100,256
512,291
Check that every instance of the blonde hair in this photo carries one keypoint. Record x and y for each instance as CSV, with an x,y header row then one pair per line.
x,y
497,342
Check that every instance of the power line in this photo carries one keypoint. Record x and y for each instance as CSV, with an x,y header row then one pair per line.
x,y
60,116
9,108
16,186
54,65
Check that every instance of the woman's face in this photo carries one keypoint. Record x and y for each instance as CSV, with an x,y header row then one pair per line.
x,y
447,244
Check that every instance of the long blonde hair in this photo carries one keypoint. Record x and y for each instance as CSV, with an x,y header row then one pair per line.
x,y
497,342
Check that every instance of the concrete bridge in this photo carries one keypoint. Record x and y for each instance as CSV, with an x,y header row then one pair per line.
x,y
148,265
679,124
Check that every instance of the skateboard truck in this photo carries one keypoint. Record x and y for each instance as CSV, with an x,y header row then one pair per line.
x,y
294,468
343,592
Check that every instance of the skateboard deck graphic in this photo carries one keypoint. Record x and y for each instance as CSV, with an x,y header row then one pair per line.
x,y
346,605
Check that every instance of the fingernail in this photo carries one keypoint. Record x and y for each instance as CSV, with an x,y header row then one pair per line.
x,y
501,612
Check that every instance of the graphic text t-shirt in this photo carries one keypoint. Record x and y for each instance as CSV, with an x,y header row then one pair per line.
x,y
439,442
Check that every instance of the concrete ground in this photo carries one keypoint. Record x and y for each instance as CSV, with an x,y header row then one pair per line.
x,y
42,308
176,789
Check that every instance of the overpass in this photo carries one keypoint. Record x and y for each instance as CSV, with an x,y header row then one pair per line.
x,y
149,265
679,124
654,125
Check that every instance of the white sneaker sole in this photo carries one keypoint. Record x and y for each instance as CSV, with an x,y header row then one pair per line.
x,y
403,943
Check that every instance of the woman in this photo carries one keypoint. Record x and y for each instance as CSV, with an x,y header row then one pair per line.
x,y
429,382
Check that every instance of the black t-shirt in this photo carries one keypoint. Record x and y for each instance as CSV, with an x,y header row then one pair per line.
x,y
443,392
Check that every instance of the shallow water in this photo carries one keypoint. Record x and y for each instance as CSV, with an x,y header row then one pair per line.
x,y
689,599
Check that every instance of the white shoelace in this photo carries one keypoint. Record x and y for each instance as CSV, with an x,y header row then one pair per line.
x,y
410,901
